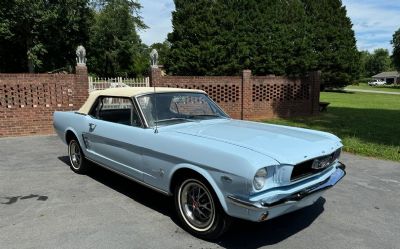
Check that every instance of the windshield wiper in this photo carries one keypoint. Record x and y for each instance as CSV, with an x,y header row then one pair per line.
x,y
206,115
172,119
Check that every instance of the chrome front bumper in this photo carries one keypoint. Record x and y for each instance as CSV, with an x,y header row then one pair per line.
x,y
298,199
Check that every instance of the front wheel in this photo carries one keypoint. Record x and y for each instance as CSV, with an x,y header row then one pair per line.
x,y
78,161
199,210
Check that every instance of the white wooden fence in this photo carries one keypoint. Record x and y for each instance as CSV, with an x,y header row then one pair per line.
x,y
104,83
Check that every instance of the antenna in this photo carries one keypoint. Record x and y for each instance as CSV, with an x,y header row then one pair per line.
x,y
153,60
155,107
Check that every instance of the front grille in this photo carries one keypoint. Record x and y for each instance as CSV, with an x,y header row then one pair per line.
x,y
302,170
305,169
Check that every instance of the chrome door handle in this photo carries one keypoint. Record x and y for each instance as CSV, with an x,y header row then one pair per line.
x,y
92,127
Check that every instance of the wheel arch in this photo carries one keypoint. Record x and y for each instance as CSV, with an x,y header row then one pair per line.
x,y
71,133
181,170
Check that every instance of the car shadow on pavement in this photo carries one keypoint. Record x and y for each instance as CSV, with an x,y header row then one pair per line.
x,y
243,234
137,192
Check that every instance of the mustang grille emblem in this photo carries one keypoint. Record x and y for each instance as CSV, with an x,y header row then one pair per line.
x,y
322,163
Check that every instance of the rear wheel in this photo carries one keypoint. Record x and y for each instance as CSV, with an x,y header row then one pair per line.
x,y
78,161
199,209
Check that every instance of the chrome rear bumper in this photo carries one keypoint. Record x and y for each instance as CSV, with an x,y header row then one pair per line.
x,y
332,180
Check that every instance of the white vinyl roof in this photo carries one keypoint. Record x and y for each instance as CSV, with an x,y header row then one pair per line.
x,y
128,92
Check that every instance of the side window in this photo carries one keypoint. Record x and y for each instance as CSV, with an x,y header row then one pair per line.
x,y
117,110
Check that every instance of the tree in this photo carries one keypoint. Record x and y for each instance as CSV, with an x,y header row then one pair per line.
x,y
364,58
142,61
378,62
115,47
333,42
396,49
216,37
41,35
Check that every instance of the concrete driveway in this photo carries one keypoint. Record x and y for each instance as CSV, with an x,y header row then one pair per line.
x,y
43,204
370,91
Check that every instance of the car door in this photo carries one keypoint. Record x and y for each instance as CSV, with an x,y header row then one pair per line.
x,y
113,127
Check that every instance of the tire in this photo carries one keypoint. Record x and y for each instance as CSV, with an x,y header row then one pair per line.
x,y
199,209
78,162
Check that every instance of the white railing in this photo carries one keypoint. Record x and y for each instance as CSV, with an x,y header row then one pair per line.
x,y
104,83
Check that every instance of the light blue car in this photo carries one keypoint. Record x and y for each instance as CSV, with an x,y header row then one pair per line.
x,y
180,143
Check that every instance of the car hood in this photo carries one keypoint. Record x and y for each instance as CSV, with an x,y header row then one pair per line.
x,y
287,145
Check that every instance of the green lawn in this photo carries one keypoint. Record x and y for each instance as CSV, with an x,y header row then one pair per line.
x,y
364,86
368,124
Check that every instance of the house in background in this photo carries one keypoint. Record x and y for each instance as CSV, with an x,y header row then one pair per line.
x,y
392,77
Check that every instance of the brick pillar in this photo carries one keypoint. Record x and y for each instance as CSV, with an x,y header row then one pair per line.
x,y
247,95
314,79
155,76
81,87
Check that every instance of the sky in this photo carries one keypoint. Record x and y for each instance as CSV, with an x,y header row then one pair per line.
x,y
374,21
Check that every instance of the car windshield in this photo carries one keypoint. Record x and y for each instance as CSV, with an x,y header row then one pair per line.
x,y
178,107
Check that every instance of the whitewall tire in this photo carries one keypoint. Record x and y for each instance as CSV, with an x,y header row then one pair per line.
x,y
199,209
78,162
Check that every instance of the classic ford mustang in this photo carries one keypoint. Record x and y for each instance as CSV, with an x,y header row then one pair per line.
x,y
180,143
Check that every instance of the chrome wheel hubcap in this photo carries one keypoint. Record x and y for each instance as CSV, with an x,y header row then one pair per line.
x,y
197,205
75,155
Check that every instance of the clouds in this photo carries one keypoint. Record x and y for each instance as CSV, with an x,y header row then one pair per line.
x,y
157,15
374,21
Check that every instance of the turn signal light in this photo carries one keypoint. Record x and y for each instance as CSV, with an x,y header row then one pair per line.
x,y
264,216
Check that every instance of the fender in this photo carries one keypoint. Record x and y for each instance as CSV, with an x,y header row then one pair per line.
x,y
80,139
203,173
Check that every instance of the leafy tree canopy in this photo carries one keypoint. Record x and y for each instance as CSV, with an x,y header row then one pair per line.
x,y
333,42
41,35
377,62
396,49
115,48
222,37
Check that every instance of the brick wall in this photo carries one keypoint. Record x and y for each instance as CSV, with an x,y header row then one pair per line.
x,y
252,97
27,101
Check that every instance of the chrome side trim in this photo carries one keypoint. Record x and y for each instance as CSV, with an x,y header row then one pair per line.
x,y
130,178
330,182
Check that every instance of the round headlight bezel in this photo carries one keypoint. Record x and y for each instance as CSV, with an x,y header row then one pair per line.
x,y
260,178
337,154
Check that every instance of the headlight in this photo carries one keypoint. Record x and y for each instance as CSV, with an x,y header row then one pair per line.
x,y
259,178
